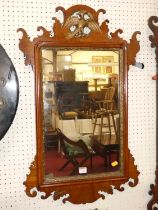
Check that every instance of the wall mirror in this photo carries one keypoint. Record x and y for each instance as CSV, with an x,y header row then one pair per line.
x,y
81,107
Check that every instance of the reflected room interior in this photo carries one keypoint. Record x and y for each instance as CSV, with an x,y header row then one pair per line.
x,y
81,110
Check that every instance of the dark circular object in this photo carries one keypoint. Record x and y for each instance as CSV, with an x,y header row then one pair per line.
x,y
9,92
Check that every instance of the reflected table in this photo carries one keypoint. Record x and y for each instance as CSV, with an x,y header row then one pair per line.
x,y
109,150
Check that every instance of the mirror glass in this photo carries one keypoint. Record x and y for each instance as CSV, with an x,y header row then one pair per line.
x,y
82,112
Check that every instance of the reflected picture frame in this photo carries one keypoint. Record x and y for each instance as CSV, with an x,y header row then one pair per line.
x,y
103,62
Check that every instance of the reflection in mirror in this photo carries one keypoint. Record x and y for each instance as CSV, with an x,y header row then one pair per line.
x,y
81,111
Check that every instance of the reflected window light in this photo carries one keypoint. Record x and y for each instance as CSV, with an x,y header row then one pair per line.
x,y
68,58
11,85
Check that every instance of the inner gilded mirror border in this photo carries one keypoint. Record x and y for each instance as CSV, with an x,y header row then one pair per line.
x,y
121,113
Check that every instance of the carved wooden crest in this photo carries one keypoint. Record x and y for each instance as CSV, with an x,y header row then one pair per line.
x,y
80,24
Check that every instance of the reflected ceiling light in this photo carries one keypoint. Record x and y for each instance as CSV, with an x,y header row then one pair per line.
x,y
100,76
96,76
102,64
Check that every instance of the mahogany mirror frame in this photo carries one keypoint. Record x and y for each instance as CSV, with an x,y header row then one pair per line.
x,y
99,37
152,23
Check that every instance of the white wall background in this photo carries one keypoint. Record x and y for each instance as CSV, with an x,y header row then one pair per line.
x,y
18,147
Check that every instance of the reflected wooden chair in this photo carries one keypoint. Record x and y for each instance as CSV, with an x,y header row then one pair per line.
x,y
72,151
108,101
64,113
106,111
